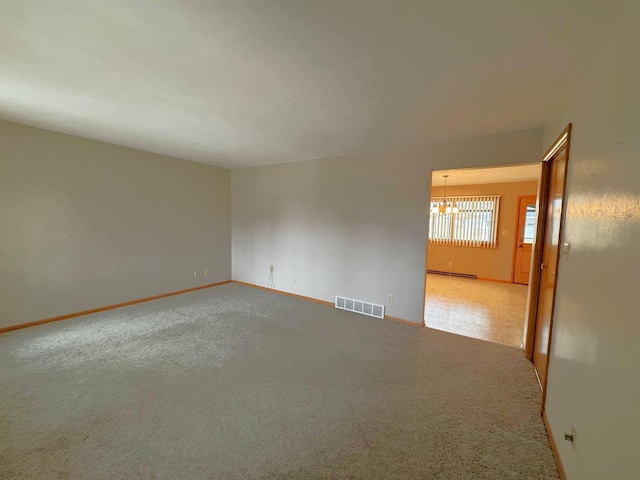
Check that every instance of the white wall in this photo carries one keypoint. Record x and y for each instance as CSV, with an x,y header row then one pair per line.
x,y
353,225
85,224
594,370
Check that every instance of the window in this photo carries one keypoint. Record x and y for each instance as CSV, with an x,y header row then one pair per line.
x,y
475,224
529,224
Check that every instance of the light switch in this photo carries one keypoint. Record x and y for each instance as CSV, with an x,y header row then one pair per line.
x,y
566,247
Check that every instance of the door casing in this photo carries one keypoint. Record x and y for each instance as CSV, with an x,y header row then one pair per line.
x,y
538,248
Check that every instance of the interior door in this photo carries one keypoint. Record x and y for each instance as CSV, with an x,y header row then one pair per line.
x,y
525,231
549,266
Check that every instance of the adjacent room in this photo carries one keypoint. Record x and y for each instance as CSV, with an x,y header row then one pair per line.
x,y
308,239
481,230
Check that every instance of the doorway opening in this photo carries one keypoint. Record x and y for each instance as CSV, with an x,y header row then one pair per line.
x,y
481,227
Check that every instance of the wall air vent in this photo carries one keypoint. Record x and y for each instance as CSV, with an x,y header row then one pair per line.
x,y
358,306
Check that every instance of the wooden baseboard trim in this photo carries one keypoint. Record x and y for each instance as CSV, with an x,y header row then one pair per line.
x,y
321,302
108,307
494,280
282,292
402,320
554,447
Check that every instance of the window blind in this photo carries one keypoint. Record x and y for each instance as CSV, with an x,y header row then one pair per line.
x,y
475,224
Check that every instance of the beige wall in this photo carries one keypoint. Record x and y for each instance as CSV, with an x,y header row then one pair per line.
x,y
490,263
85,224
354,225
594,369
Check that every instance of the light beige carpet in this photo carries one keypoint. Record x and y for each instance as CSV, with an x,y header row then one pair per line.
x,y
232,382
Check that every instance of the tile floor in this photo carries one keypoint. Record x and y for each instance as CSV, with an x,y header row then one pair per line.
x,y
474,308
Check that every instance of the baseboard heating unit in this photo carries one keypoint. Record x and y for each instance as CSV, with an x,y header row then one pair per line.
x,y
451,274
358,306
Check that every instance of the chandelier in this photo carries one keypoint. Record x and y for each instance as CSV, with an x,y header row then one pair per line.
x,y
444,206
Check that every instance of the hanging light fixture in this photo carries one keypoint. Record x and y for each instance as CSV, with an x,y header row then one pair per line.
x,y
444,206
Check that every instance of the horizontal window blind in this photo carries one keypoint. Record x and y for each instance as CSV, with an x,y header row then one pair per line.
x,y
473,224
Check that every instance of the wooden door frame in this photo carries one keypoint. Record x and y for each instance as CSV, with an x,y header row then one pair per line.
x,y
515,237
564,139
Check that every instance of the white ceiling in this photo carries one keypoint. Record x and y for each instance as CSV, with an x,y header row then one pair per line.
x,y
477,176
242,83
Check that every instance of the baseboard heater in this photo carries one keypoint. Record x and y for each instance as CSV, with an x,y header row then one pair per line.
x,y
451,274
358,306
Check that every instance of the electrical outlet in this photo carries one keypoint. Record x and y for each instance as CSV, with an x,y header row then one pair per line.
x,y
271,268
451,264
195,274
295,279
390,298
571,437
206,272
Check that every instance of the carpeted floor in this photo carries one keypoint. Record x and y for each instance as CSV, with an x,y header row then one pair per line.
x,y
233,382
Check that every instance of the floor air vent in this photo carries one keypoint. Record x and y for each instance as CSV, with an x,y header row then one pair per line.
x,y
451,274
359,306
